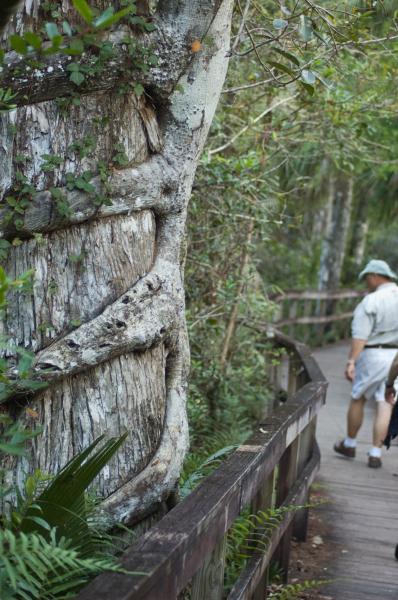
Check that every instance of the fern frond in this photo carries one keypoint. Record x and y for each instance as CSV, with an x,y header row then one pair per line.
x,y
292,591
191,477
48,569
252,532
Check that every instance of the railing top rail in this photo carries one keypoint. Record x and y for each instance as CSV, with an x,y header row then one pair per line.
x,y
314,320
317,295
303,353
171,552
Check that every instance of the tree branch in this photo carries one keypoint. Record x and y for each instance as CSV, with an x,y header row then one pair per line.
x,y
51,79
147,186
246,127
139,319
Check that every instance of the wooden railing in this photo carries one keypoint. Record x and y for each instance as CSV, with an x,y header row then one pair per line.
x,y
274,467
316,317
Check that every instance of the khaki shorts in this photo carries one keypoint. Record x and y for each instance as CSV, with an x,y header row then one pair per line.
x,y
371,372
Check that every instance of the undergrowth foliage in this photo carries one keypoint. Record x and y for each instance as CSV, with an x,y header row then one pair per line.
x,y
51,542
251,534
292,591
47,568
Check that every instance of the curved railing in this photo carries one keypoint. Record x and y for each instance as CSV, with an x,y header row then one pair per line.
x,y
310,314
275,466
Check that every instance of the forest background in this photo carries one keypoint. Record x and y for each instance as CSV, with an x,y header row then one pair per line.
x,y
296,190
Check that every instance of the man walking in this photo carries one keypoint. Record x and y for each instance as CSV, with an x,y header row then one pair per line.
x,y
373,348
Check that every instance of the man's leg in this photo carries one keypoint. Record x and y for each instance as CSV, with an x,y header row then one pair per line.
x,y
347,447
380,428
381,422
355,416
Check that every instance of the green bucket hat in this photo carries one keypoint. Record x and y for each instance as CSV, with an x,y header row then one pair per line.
x,y
379,267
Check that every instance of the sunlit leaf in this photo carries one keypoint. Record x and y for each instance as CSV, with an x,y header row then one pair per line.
x,y
308,76
280,23
52,30
84,10
305,29
109,17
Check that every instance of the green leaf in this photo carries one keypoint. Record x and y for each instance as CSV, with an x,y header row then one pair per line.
x,y
138,89
84,10
18,44
76,47
280,23
109,17
40,522
32,39
9,448
66,28
26,360
281,67
30,384
77,77
52,30
308,76
287,55
305,29
309,88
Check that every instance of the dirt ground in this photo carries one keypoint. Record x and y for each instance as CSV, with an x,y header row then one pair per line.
x,y
312,560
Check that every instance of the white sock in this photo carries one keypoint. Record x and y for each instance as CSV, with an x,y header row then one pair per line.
x,y
350,442
375,451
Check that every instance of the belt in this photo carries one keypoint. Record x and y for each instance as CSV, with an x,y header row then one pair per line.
x,y
389,346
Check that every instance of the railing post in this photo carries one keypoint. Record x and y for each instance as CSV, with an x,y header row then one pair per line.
x,y
286,477
209,580
307,441
263,501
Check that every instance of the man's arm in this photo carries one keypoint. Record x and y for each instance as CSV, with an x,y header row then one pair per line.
x,y
362,326
357,345
392,375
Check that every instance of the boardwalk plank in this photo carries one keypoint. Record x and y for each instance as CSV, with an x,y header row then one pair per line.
x,y
362,515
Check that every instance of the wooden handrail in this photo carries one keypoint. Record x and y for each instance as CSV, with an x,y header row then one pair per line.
x,y
317,295
309,314
189,539
314,319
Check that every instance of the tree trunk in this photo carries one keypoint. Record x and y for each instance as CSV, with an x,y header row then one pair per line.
x,y
360,232
106,310
336,232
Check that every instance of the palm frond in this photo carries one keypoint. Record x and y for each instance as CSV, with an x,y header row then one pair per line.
x,y
62,504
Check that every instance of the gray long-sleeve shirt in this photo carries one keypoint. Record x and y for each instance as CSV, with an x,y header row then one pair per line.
x,y
376,317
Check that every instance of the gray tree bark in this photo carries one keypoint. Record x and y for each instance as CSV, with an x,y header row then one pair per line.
x,y
338,216
359,232
105,315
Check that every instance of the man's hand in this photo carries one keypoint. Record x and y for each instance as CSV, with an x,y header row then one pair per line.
x,y
350,370
390,394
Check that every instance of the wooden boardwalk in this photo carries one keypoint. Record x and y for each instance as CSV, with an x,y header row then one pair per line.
x,y
362,518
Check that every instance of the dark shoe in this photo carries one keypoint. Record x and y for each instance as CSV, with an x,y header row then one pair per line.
x,y
341,449
374,462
